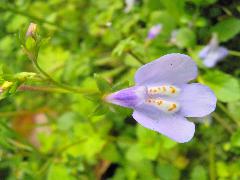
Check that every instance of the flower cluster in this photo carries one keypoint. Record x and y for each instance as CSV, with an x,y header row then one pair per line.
x,y
162,99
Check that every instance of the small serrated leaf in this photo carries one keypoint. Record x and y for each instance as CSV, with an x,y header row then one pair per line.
x,y
102,84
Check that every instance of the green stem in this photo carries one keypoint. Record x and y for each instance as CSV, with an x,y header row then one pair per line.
x,y
44,167
41,88
63,86
212,167
223,123
222,107
234,53
66,147
136,57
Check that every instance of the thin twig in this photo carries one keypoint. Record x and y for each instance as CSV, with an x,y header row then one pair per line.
x,y
222,107
212,166
41,88
223,123
50,79
136,57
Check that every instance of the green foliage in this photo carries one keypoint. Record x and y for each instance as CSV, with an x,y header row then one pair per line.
x,y
54,122
225,86
199,173
227,29
102,84
185,38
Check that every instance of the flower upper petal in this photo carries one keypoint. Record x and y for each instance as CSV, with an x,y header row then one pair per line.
x,y
204,52
175,126
171,69
196,100
215,56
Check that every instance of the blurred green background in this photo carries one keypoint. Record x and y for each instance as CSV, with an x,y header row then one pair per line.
x,y
54,136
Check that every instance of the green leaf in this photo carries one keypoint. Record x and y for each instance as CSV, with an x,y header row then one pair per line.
x,y
235,139
30,43
199,173
166,19
111,153
120,85
233,108
227,29
222,170
225,86
166,172
134,153
102,84
185,38
174,7
66,121
124,46
100,110
58,172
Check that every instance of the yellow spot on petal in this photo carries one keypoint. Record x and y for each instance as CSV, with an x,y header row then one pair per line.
x,y
173,90
159,103
174,106
164,88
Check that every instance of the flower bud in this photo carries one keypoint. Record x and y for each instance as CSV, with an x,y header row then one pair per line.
x,y
32,28
6,85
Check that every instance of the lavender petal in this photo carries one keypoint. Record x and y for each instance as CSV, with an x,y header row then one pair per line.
x,y
170,69
154,31
214,56
196,100
204,52
129,97
175,127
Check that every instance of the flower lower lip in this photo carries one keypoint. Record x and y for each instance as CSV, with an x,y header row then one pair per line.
x,y
163,105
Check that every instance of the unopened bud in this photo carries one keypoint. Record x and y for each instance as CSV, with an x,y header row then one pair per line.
x,y
23,76
6,85
31,30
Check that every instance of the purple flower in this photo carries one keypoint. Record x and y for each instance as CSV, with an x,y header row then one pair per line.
x,y
213,53
161,98
154,31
